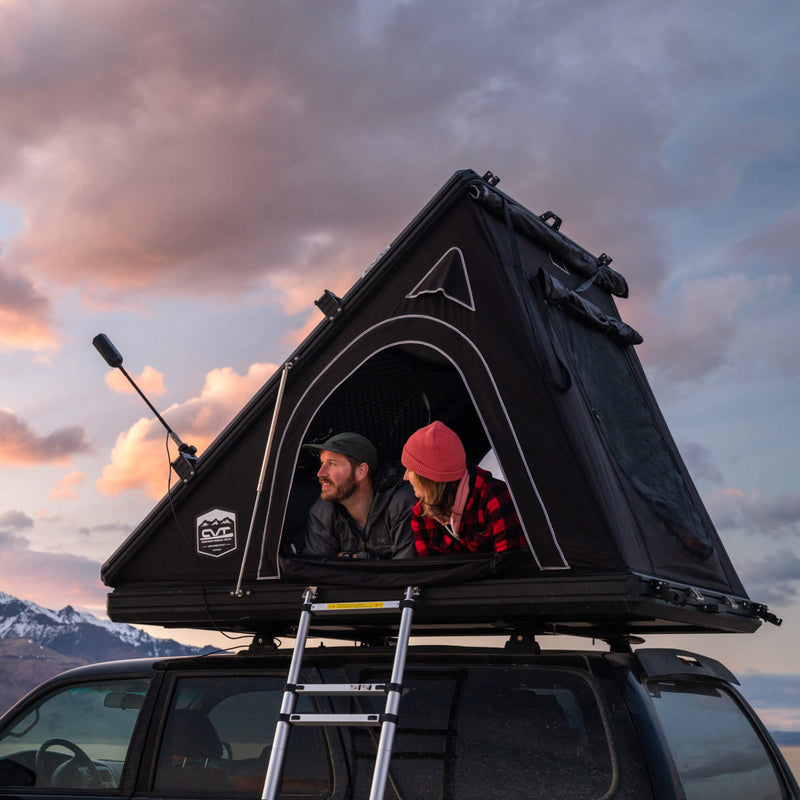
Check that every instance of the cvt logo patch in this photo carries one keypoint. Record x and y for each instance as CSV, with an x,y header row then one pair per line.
x,y
216,533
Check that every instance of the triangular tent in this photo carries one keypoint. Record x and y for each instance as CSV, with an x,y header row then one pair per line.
x,y
483,315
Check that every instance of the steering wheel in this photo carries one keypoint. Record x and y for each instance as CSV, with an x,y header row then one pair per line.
x,y
79,765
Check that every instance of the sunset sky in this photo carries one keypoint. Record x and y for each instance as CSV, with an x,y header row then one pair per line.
x,y
188,176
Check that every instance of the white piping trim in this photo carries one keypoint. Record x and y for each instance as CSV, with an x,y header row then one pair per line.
x,y
369,331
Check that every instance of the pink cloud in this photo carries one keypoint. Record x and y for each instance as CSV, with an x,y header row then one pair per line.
x,y
47,578
25,315
138,459
150,381
154,150
21,445
755,510
294,336
67,486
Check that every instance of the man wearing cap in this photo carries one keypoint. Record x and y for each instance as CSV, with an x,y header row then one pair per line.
x,y
354,517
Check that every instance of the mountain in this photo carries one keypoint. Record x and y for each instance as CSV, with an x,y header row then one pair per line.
x,y
37,643
74,633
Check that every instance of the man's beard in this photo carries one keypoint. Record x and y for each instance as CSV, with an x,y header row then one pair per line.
x,y
337,493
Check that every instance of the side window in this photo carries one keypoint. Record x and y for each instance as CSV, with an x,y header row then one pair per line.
x,y
473,733
717,751
74,738
218,738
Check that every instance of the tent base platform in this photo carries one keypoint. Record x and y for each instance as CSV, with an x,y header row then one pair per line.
x,y
604,606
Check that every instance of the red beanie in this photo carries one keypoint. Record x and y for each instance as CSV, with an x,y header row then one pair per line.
x,y
436,453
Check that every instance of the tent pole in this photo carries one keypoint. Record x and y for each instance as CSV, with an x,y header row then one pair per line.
x,y
286,367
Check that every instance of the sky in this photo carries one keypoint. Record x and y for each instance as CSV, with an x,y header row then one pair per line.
x,y
188,176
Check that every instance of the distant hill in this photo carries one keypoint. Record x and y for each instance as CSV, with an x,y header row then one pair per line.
x,y
37,643
24,665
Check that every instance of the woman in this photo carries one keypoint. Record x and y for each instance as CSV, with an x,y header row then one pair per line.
x,y
460,507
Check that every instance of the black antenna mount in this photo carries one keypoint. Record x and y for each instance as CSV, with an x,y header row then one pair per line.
x,y
184,464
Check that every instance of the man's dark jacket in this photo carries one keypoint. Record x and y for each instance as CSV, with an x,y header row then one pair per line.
x,y
387,534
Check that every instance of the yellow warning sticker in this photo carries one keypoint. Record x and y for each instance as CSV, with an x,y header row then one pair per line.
x,y
341,606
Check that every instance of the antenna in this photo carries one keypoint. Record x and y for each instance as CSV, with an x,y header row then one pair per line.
x,y
184,464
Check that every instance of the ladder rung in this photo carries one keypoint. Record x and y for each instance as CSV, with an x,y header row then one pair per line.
x,y
351,720
341,689
368,605
387,720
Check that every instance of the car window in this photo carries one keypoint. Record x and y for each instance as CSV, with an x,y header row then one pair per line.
x,y
218,739
717,751
76,737
482,732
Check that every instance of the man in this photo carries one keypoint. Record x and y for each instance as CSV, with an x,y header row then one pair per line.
x,y
354,517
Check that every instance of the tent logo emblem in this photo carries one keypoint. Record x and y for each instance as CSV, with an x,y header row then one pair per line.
x,y
216,533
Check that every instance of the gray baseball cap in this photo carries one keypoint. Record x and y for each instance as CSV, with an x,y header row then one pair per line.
x,y
350,444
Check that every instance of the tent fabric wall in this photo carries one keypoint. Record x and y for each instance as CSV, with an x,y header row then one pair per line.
x,y
454,323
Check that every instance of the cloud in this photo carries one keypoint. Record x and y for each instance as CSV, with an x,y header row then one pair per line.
x,y
735,325
66,488
158,153
138,459
155,151
700,463
49,579
295,336
772,691
779,719
774,579
25,315
104,527
756,511
150,381
776,699
20,445
14,521
697,333
778,242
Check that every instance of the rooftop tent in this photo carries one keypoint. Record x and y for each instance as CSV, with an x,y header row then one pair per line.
x,y
483,315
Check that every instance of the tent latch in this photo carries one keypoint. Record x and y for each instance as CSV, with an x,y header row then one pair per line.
x,y
329,304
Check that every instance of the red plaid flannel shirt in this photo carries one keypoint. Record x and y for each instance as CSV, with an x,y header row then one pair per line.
x,y
489,523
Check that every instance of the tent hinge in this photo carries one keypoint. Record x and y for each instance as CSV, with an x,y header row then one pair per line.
x,y
686,597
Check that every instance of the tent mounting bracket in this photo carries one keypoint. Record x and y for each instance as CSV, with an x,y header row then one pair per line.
x,y
329,304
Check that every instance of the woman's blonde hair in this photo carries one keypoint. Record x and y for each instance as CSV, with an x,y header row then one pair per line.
x,y
439,498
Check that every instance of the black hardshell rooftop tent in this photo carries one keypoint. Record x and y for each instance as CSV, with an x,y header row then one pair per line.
x,y
483,315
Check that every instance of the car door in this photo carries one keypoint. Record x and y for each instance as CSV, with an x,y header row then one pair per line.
x,y
215,738
76,737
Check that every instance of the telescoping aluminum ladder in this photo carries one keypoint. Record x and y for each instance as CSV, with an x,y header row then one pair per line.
x,y
393,690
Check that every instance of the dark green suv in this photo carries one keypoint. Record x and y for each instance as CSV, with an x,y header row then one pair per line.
x,y
473,723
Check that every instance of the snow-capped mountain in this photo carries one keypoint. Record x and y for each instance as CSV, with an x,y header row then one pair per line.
x,y
74,633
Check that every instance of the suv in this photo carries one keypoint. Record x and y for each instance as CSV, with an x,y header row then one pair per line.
x,y
473,723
